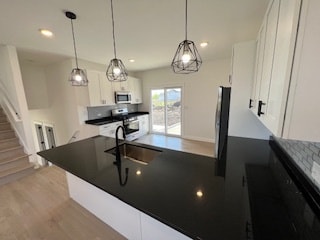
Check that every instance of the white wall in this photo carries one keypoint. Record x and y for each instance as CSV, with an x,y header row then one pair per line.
x,y
13,97
65,106
60,102
199,95
34,81
242,122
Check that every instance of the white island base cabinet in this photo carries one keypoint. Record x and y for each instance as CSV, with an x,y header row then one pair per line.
x,y
130,222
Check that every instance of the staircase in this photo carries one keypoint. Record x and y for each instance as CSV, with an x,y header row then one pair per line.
x,y
14,163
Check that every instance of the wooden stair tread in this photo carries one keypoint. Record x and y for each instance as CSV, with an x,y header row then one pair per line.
x,y
5,131
8,140
16,169
10,159
14,162
10,149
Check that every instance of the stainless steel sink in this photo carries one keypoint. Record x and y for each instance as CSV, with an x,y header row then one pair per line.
x,y
135,153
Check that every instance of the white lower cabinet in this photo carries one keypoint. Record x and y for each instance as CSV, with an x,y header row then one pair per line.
x,y
130,222
143,124
109,130
155,230
117,214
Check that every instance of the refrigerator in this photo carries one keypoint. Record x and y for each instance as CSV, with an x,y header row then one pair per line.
x,y
222,120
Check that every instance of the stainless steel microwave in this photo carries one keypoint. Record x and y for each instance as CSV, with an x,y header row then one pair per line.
x,y
122,97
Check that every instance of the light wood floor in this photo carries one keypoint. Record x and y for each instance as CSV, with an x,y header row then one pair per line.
x,y
197,147
38,206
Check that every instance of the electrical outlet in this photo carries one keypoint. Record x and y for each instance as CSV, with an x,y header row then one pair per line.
x,y
315,172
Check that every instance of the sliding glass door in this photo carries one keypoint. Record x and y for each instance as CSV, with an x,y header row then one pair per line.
x,y
166,110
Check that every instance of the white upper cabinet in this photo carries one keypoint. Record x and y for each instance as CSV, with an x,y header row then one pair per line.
x,y
282,65
136,90
271,26
258,69
100,89
94,88
121,86
106,90
276,46
303,116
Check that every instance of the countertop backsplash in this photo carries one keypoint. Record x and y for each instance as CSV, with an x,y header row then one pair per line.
x,y
306,155
105,111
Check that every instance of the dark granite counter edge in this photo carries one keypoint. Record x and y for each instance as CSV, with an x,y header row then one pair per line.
x,y
134,114
107,120
99,120
173,226
305,185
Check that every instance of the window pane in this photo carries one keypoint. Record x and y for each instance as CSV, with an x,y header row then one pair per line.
x,y
158,113
173,97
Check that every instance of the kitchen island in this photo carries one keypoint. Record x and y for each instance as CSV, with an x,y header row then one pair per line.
x,y
175,196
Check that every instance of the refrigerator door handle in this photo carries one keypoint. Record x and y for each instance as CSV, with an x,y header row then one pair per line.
x,y
260,104
250,103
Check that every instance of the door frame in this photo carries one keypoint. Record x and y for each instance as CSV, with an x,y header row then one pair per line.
x,y
166,86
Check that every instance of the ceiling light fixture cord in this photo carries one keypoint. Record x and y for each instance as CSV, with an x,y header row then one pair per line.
x,y
114,38
74,44
186,27
186,59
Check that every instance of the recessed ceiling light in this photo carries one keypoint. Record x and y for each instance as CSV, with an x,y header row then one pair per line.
x,y
46,32
199,193
131,60
203,44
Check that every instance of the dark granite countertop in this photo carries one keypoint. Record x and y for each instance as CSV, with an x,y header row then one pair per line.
x,y
101,121
136,114
167,187
107,120
292,156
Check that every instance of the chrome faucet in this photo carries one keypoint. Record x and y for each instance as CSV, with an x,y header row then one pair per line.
x,y
118,157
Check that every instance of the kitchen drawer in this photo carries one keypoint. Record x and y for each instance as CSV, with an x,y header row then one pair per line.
x,y
109,130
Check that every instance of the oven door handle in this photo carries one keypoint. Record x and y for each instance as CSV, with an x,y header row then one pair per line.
x,y
131,122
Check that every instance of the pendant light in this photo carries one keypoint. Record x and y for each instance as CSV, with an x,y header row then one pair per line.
x,y
187,59
116,71
77,77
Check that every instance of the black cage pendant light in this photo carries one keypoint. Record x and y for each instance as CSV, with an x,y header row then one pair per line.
x,y
77,77
116,71
187,59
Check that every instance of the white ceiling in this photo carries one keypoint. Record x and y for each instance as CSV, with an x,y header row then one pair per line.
x,y
147,30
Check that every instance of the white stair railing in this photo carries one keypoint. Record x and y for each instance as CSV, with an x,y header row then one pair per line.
x,y
8,106
74,136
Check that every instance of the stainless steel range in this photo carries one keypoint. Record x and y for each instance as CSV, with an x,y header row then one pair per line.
x,y
130,123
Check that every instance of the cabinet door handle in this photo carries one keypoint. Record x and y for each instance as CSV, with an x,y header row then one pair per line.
x,y
244,181
260,104
250,103
248,230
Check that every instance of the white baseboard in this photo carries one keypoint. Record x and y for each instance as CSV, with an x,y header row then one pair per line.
x,y
201,139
